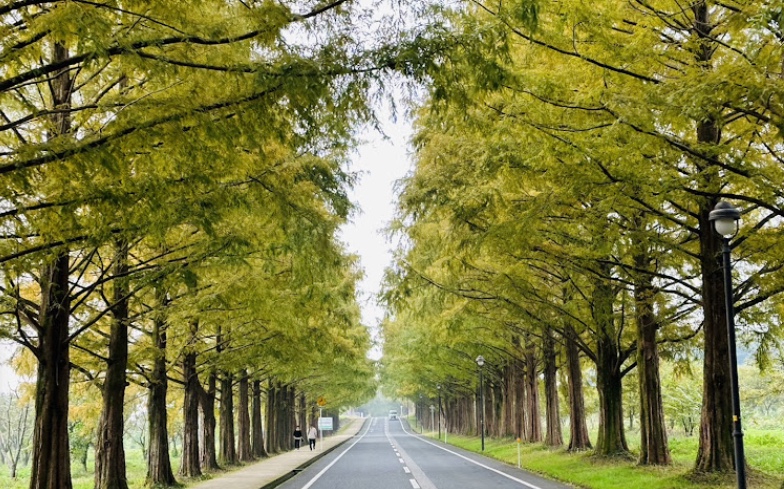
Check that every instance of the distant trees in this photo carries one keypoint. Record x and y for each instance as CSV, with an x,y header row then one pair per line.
x,y
16,430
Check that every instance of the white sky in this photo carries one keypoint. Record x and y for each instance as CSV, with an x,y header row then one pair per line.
x,y
381,162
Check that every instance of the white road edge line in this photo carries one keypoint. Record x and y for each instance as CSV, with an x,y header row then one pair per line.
x,y
520,481
325,469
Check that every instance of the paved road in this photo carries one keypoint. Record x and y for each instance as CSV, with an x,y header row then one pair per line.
x,y
385,455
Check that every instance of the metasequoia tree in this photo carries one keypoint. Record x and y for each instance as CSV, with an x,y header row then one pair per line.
x,y
125,122
624,114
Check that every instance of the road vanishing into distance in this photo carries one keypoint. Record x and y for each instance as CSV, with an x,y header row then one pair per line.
x,y
386,455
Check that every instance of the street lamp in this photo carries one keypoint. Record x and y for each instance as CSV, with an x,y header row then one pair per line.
x,y
480,360
439,411
725,219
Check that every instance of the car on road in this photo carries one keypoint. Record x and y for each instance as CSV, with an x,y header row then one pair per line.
x,y
392,414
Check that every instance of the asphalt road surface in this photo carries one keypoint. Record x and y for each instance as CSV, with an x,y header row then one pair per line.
x,y
387,455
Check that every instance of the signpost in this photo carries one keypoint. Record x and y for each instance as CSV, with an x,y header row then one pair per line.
x,y
325,423
321,403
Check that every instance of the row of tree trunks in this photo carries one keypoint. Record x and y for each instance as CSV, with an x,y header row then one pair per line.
x,y
159,469
257,434
209,455
531,373
189,465
553,437
109,451
244,453
654,449
227,453
578,428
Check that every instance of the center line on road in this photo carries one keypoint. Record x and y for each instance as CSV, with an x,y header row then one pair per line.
x,y
406,470
414,483
511,477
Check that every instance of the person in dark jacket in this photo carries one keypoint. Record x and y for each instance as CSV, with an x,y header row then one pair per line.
x,y
297,437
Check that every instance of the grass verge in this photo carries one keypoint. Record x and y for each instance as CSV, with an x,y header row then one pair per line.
x,y
765,456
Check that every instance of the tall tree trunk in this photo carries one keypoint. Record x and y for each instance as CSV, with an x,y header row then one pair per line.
x,y
51,467
257,433
159,469
578,428
228,453
110,452
189,464
716,448
553,436
243,420
532,387
611,439
271,421
653,429
209,456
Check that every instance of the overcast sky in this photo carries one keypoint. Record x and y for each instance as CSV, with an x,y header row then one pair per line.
x,y
381,161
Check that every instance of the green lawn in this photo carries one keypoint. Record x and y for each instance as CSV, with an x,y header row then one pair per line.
x,y
764,453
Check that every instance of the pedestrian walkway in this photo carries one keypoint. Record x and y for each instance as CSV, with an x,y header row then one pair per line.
x,y
276,469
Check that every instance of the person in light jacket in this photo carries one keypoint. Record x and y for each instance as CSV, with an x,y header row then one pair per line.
x,y
312,434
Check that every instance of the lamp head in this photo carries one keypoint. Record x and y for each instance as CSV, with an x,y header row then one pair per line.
x,y
725,219
480,360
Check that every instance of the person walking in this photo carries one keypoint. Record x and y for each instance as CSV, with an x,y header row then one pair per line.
x,y
297,437
312,434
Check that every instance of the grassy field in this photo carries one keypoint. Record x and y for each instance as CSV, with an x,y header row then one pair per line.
x,y
764,453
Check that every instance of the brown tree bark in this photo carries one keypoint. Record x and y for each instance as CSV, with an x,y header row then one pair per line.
x,y
110,452
244,453
257,433
51,466
553,436
228,452
716,448
159,468
611,439
578,428
272,400
654,449
209,455
189,464
531,363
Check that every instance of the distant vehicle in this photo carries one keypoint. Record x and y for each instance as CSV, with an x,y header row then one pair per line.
x,y
392,414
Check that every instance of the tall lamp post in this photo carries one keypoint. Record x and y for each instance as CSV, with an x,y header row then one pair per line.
x,y
480,360
725,219
439,411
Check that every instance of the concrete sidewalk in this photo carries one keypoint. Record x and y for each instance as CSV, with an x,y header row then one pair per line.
x,y
276,469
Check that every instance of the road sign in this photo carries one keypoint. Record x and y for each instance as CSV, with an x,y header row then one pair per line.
x,y
325,424
321,401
